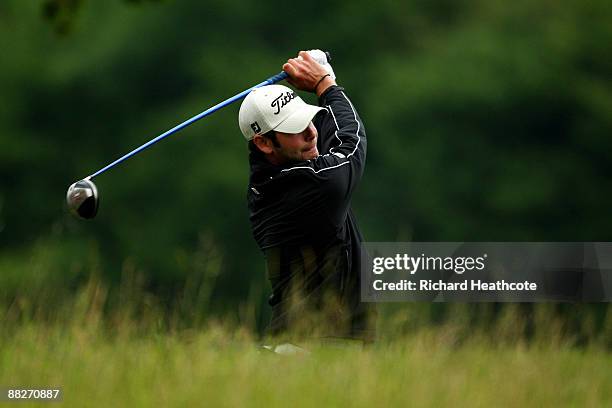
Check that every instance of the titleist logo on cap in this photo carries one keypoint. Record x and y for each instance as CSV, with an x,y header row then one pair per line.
x,y
281,100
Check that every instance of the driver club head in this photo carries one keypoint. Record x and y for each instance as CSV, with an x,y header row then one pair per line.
x,y
82,199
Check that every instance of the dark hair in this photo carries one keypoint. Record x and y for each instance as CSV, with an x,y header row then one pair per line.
x,y
271,135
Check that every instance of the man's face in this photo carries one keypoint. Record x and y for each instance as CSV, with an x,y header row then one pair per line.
x,y
296,147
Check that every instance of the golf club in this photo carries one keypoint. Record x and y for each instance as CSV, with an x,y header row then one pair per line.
x,y
82,197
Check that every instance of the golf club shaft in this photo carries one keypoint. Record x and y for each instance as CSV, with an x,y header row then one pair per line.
x,y
270,81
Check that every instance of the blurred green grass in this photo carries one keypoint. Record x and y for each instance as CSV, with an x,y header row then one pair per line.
x,y
217,366
106,349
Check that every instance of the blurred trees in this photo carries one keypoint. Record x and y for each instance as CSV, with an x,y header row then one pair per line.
x,y
487,120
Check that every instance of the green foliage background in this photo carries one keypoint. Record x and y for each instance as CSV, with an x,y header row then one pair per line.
x,y
487,120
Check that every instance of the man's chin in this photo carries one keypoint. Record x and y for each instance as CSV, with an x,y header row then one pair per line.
x,y
311,154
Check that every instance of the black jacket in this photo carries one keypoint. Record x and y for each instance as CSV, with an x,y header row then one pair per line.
x,y
300,212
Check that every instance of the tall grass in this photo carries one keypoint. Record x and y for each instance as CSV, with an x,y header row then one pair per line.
x,y
123,347
219,366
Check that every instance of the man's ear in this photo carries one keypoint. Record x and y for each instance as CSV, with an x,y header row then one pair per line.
x,y
264,144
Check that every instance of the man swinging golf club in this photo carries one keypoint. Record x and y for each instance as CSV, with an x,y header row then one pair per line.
x,y
305,163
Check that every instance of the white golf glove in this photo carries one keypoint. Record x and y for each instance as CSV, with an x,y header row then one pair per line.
x,y
321,58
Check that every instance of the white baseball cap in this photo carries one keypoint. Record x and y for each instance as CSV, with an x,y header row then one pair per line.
x,y
274,107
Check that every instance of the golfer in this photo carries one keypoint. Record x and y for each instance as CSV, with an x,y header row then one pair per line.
x,y
305,163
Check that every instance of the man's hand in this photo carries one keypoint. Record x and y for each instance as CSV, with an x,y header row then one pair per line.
x,y
307,74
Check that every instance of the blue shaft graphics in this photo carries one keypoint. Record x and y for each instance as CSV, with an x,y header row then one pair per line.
x,y
272,80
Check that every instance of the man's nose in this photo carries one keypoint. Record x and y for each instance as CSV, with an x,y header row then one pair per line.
x,y
309,133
